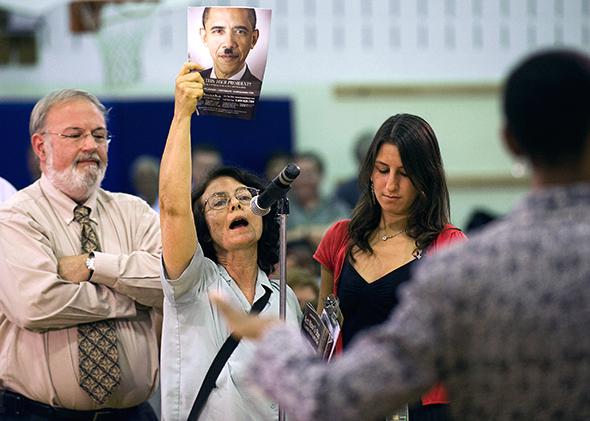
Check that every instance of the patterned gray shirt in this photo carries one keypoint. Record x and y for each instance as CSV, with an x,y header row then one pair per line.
x,y
503,320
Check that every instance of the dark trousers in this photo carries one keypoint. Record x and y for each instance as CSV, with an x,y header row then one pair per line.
x,y
15,407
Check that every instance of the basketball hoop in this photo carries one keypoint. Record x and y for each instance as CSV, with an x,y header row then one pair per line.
x,y
120,39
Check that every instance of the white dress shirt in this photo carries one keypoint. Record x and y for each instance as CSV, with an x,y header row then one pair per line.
x,y
194,330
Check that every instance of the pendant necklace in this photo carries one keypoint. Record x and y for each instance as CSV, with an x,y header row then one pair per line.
x,y
386,237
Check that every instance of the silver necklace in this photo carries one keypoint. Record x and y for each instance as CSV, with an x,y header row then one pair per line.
x,y
386,237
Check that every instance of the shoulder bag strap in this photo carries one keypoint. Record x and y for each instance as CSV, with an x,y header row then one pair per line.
x,y
220,359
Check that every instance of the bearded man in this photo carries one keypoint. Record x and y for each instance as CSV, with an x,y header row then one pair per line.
x,y
80,295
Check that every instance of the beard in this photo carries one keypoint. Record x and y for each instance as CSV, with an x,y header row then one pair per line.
x,y
78,184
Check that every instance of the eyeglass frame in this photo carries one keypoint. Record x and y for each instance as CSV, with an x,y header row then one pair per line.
x,y
252,190
80,137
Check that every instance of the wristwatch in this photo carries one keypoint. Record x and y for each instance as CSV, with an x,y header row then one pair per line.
x,y
90,263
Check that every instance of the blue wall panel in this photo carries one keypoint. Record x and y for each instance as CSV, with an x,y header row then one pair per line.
x,y
141,127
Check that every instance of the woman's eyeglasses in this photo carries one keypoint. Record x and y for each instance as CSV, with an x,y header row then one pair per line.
x,y
221,199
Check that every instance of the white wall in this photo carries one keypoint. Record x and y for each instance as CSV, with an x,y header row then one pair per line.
x,y
319,46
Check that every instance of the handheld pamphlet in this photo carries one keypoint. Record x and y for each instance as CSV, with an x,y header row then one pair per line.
x,y
322,331
230,44
400,415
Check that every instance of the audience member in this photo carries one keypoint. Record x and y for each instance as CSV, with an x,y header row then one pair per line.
x,y
310,212
305,286
300,255
145,170
349,190
80,298
205,158
275,164
502,319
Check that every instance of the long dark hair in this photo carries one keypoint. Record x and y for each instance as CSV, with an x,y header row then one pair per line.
x,y
268,245
420,155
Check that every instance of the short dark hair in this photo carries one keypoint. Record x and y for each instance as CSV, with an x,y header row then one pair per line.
x,y
422,161
268,245
547,106
251,14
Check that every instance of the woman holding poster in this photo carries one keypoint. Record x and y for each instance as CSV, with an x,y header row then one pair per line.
x,y
211,242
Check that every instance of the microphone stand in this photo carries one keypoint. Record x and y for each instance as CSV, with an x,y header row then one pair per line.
x,y
282,212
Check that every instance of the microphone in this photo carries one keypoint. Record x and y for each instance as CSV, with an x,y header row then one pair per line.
x,y
276,189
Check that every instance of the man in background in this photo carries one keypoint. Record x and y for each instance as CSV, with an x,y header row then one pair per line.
x,y
205,158
349,190
80,295
145,172
312,212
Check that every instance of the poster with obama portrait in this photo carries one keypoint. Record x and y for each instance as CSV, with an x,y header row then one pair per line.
x,y
231,44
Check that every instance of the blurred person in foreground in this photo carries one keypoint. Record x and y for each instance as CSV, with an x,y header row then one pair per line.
x,y
80,297
234,252
502,319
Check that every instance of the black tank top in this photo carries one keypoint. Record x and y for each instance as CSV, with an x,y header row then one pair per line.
x,y
364,305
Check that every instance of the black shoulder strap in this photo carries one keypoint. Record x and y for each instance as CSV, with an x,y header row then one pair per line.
x,y
220,359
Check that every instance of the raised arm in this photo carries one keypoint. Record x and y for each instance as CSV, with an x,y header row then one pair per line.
x,y
179,236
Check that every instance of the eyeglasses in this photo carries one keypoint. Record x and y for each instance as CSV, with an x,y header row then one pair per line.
x,y
100,136
221,199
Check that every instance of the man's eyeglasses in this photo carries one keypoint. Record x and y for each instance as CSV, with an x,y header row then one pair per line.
x,y
221,199
100,136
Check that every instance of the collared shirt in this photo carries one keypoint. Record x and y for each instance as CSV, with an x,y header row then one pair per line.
x,y
194,330
502,319
39,310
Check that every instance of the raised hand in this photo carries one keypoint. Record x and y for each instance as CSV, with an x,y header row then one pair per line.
x,y
242,325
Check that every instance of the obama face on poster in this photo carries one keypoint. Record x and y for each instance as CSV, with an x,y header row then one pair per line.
x,y
229,34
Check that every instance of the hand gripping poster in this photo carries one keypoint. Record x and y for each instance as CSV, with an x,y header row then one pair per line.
x,y
231,45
